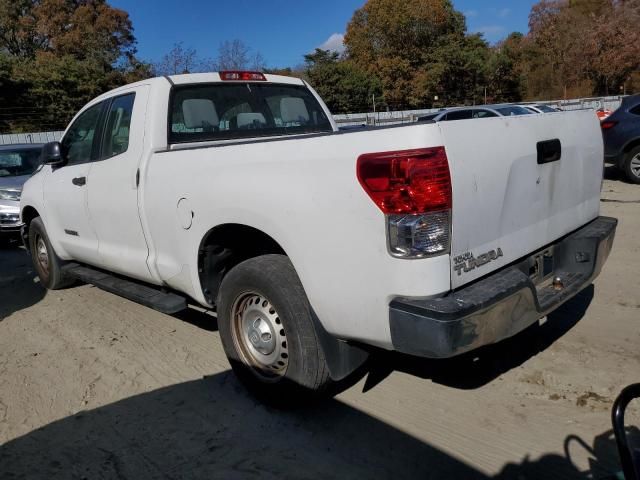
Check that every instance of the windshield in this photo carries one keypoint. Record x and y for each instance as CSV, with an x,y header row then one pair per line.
x,y
512,110
15,163
243,110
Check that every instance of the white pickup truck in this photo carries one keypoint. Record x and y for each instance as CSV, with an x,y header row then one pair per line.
x,y
237,191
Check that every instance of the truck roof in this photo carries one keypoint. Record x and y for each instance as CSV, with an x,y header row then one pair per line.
x,y
208,77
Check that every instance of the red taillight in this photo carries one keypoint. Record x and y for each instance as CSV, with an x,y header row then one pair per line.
x,y
407,181
246,76
607,124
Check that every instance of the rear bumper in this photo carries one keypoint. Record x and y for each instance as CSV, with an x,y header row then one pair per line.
x,y
502,304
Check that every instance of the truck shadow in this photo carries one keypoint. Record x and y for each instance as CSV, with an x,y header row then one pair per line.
x,y
211,428
19,288
482,366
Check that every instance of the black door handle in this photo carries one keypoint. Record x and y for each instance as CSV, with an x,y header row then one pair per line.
x,y
79,181
549,151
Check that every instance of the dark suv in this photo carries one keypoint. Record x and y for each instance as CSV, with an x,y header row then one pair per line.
x,y
621,133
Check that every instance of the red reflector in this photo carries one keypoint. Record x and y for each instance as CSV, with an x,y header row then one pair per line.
x,y
606,125
407,181
251,76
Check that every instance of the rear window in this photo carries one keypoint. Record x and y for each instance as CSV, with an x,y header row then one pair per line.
x,y
243,110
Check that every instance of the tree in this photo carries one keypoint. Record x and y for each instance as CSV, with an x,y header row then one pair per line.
x,y
233,55
179,60
418,49
61,54
342,85
556,64
504,75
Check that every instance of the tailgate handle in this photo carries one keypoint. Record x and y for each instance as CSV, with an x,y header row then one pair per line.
x,y
549,151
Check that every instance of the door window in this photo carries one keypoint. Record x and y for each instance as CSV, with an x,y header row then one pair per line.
x,y
116,133
77,144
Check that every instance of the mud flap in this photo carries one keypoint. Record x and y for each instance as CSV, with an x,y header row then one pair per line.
x,y
342,358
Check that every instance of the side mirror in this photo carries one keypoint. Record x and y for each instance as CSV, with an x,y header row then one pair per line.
x,y
52,154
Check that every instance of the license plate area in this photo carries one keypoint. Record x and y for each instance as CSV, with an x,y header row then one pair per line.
x,y
540,266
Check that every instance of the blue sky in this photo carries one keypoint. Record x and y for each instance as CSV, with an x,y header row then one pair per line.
x,y
282,30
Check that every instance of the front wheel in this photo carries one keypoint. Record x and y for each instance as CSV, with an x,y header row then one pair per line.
x,y
47,264
267,331
631,165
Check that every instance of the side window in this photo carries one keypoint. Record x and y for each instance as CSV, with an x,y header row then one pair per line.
x,y
635,110
483,114
459,115
78,142
116,132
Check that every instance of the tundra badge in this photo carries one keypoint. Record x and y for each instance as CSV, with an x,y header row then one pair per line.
x,y
467,261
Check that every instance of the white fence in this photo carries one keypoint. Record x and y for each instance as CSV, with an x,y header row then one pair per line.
x,y
353,119
36,137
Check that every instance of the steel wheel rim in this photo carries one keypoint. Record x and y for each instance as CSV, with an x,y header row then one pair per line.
x,y
635,165
42,255
259,336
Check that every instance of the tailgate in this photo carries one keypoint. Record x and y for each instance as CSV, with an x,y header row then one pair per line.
x,y
507,205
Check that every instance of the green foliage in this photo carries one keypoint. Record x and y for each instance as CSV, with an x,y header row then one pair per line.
x,y
423,57
342,85
59,54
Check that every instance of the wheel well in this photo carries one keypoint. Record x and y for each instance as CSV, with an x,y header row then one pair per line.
x,y
631,145
225,246
28,214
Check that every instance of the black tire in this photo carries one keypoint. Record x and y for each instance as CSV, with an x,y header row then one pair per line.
x,y
631,166
49,271
273,279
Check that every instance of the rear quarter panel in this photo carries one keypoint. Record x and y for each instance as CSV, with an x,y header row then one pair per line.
x,y
304,193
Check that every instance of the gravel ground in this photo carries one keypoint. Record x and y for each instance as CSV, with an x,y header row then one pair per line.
x,y
94,386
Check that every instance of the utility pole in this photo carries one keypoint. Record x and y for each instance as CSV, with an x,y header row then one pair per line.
x,y
485,95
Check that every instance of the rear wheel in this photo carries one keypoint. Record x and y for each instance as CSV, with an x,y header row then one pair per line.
x,y
631,165
267,331
47,264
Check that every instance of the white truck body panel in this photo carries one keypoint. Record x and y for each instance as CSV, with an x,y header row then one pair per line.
x,y
304,193
503,199
112,200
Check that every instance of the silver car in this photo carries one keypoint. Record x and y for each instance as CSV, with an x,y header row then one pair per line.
x,y
17,163
540,108
467,113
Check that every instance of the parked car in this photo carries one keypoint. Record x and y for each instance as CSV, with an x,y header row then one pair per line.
x,y
540,108
17,163
237,191
621,134
467,113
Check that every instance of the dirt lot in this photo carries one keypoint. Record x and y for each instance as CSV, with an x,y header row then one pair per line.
x,y
94,386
